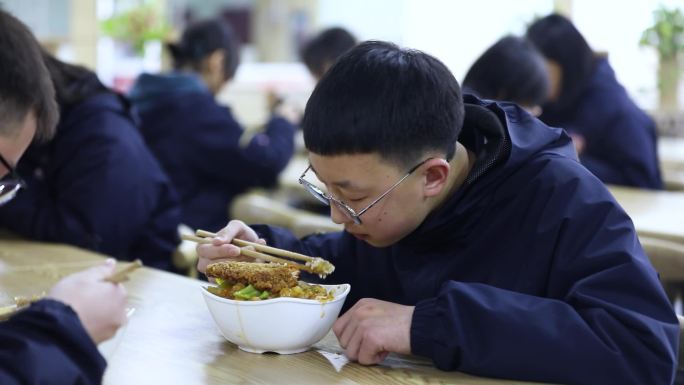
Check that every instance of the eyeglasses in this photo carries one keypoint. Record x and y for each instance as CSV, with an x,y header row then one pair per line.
x,y
326,198
9,186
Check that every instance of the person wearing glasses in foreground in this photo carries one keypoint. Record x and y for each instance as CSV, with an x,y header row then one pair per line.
x,y
473,236
95,184
53,340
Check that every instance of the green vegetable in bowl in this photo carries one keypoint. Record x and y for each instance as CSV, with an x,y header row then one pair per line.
x,y
247,293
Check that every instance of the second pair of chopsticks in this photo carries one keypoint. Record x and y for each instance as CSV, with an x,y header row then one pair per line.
x,y
312,264
22,302
122,275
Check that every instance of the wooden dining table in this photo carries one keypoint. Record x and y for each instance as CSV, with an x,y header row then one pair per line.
x,y
671,152
656,214
671,155
170,337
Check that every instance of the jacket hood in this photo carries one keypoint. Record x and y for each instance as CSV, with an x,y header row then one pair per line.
x,y
150,90
504,139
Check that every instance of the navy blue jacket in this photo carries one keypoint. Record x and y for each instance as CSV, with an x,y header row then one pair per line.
x,y
47,344
197,141
96,185
621,140
529,271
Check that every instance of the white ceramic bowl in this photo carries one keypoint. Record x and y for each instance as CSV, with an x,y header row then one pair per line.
x,y
282,325
108,348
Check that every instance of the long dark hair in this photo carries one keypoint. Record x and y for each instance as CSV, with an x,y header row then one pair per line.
x,y
559,40
201,39
513,70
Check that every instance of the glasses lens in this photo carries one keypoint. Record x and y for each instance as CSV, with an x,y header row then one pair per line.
x,y
8,191
316,192
347,211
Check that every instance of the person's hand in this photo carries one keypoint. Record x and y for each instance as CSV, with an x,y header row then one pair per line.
x,y
289,112
579,142
283,108
372,329
100,305
273,99
221,249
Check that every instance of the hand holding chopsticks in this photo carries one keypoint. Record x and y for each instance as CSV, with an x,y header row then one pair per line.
x,y
311,264
21,302
122,275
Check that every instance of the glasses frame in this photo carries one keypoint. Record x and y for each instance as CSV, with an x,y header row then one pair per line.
x,y
13,184
326,198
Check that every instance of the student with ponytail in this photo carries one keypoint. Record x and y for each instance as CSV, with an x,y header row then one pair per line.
x,y
198,140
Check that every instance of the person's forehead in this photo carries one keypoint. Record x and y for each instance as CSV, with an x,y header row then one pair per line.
x,y
347,171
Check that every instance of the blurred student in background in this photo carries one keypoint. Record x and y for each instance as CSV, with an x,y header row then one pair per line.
x,y
615,139
53,340
197,140
95,184
322,51
510,70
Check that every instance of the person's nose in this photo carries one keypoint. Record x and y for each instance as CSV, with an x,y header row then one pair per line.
x,y
338,216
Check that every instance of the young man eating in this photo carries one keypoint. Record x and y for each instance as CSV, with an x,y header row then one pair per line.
x,y
473,236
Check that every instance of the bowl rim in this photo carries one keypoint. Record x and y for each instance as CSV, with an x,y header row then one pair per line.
x,y
339,297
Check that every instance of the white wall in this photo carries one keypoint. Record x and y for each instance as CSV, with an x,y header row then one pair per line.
x,y
457,32
367,19
615,27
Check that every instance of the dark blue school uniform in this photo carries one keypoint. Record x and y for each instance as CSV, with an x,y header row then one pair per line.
x,y
96,185
529,271
198,142
47,344
621,140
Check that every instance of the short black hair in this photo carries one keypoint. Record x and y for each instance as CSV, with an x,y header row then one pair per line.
x,y
73,83
322,51
202,38
512,70
25,84
379,98
559,40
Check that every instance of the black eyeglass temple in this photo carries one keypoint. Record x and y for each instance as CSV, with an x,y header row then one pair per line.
x,y
13,172
414,168
6,164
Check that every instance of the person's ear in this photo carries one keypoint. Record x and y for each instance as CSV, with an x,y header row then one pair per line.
x,y
214,62
435,176
326,66
555,72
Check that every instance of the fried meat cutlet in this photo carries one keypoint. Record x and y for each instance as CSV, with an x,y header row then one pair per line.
x,y
262,276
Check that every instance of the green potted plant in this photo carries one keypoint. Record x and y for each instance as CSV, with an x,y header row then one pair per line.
x,y
666,35
137,26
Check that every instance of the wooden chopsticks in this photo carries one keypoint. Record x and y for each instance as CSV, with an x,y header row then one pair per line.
x,y
122,275
260,247
312,265
250,253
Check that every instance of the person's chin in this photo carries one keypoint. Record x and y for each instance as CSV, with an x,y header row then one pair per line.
x,y
359,236
380,244
374,241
